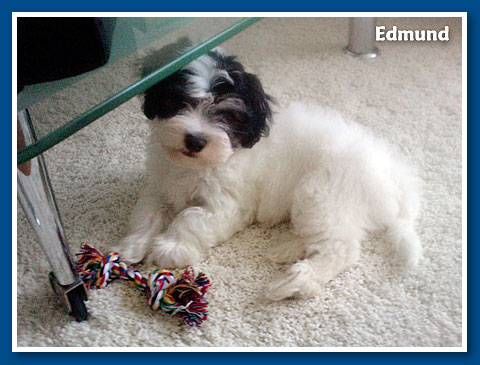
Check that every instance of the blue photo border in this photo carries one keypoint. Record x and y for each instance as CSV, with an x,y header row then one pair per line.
x,y
247,357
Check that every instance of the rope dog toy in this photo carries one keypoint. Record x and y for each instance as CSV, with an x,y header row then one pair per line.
x,y
181,296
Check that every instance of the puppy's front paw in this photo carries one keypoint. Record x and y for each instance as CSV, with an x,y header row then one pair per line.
x,y
168,253
132,248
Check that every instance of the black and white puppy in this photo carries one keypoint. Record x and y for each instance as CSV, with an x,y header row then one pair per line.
x,y
214,169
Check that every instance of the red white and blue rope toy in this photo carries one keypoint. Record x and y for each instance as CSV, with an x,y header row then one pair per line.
x,y
181,296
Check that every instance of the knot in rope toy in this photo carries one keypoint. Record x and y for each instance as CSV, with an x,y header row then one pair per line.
x,y
181,296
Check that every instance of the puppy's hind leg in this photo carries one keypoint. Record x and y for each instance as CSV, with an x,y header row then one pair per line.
x,y
330,240
288,249
324,261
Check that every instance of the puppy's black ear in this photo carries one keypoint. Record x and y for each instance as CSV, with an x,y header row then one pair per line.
x,y
258,107
167,98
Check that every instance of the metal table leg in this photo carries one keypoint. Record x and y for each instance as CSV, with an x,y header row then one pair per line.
x,y
36,197
361,38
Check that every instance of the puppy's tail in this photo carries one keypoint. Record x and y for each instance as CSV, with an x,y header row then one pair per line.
x,y
406,244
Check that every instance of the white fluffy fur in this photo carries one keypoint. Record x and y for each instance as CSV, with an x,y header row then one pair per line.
x,y
329,177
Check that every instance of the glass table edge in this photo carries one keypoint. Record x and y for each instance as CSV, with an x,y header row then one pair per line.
x,y
129,92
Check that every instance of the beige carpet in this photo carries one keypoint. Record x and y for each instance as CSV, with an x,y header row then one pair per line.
x,y
411,95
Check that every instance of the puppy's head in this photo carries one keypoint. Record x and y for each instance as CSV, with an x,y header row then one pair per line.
x,y
208,110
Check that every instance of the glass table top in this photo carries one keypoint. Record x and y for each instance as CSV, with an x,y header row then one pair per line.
x,y
109,86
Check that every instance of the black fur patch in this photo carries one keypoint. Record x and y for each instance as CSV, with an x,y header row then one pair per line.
x,y
247,128
167,98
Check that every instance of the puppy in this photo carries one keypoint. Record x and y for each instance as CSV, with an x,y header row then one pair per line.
x,y
218,161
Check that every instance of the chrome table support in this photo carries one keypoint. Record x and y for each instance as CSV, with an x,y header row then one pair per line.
x,y
361,38
36,197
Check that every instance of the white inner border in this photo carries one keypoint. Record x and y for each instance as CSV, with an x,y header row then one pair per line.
x,y
463,348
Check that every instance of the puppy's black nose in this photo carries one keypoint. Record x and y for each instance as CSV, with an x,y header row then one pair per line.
x,y
194,143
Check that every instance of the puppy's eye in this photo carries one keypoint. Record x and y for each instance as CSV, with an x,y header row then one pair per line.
x,y
221,86
221,80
